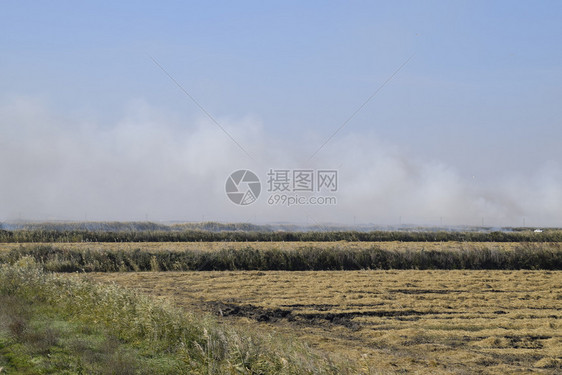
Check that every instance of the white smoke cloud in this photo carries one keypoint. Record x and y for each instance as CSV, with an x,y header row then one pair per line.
x,y
151,164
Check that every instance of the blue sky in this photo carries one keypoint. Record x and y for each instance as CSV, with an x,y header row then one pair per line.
x,y
468,129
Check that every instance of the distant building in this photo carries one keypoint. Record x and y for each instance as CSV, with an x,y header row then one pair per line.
x,y
538,230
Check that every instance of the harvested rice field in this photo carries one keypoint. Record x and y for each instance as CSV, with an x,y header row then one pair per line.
x,y
420,322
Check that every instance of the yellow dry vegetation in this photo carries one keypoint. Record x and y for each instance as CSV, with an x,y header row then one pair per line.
x,y
434,322
214,246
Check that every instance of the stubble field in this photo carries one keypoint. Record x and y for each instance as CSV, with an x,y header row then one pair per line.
x,y
409,321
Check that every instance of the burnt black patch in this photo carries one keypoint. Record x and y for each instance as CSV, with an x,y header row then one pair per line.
x,y
262,314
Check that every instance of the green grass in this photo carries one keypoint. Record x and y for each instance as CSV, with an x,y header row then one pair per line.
x,y
35,339
53,324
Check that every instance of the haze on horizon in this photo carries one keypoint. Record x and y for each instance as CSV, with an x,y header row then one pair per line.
x,y
468,131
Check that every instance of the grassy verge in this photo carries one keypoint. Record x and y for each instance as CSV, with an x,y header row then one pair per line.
x,y
545,256
55,324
